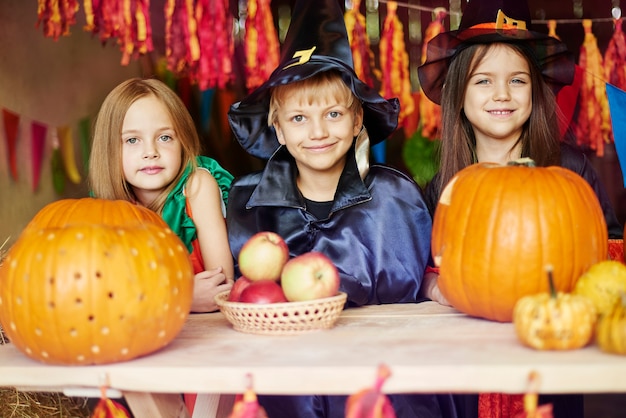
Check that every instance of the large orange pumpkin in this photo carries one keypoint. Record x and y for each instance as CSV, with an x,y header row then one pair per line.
x,y
90,210
496,228
92,293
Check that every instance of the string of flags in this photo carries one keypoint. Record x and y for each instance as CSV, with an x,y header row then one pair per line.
x,y
63,164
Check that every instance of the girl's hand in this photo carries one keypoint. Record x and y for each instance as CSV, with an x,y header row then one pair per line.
x,y
430,289
207,284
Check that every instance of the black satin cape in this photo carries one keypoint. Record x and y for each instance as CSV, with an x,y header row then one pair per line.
x,y
378,236
378,232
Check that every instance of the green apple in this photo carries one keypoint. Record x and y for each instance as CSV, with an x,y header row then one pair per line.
x,y
309,276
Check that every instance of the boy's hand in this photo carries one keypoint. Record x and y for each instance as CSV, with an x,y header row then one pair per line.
x,y
207,284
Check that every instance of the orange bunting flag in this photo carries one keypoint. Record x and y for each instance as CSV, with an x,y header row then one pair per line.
x,y
430,112
64,135
394,63
371,402
593,127
38,143
552,29
57,173
11,123
362,54
531,410
107,408
128,21
615,57
260,43
247,405
56,17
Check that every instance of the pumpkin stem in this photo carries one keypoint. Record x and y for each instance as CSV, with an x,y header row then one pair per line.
x,y
551,281
525,161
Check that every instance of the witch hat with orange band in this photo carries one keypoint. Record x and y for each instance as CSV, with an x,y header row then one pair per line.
x,y
491,21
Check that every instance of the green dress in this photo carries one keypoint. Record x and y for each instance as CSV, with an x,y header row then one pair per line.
x,y
177,214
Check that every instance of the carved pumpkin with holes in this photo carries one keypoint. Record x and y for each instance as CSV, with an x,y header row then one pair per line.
x,y
94,293
497,227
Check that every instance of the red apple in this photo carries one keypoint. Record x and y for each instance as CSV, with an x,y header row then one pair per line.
x,y
263,256
309,276
263,291
235,292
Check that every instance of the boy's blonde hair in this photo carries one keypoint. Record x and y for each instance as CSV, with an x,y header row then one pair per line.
x,y
106,175
324,84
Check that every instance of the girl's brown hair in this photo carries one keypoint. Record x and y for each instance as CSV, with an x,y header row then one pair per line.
x,y
540,138
106,176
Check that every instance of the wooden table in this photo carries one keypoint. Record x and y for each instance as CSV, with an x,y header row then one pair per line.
x,y
429,348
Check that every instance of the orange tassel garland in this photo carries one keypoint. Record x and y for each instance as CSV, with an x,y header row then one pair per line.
x,y
260,43
56,17
394,62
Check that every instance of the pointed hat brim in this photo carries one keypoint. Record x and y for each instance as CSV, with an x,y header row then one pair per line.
x,y
479,26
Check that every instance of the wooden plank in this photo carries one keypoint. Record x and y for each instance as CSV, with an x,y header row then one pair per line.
x,y
213,405
428,347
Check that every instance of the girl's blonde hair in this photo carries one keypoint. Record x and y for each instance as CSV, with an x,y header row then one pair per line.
x,y
324,84
106,175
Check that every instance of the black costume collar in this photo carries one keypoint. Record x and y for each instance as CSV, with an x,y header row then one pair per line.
x,y
277,186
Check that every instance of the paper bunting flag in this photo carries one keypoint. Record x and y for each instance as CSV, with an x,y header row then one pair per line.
x,y
260,43
57,172
593,128
617,105
11,123
64,134
84,136
38,144
394,63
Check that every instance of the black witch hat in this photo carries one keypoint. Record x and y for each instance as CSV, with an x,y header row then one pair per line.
x,y
490,21
316,41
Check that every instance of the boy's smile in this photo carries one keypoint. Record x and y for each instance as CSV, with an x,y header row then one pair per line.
x,y
317,134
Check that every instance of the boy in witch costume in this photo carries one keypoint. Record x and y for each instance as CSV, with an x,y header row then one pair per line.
x,y
313,121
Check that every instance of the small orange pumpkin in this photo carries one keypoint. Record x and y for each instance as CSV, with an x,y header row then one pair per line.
x,y
602,284
554,320
92,293
496,227
611,330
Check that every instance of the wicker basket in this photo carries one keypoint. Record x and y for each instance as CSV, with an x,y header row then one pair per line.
x,y
285,318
